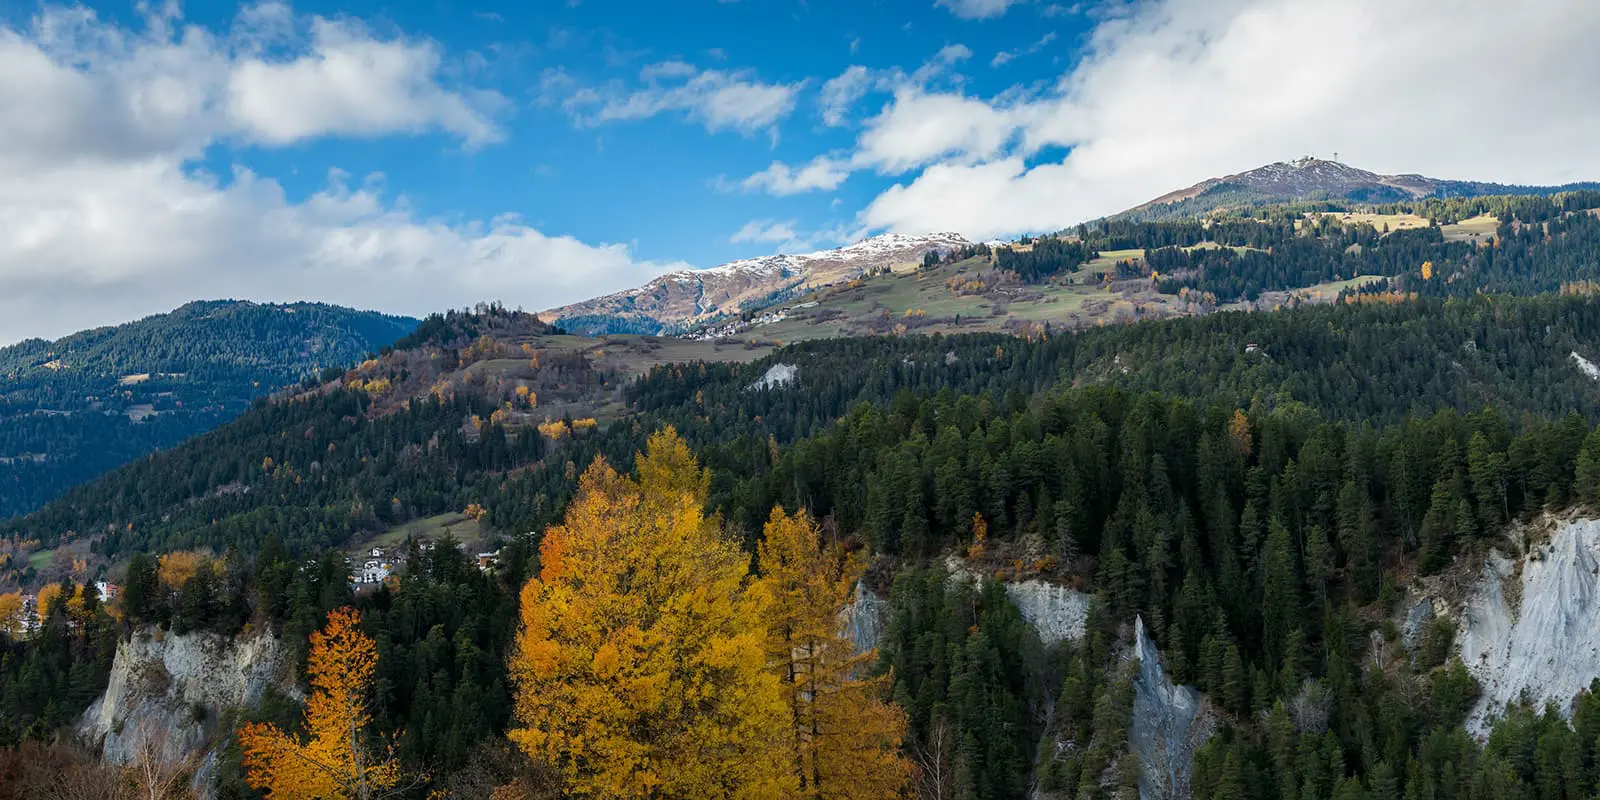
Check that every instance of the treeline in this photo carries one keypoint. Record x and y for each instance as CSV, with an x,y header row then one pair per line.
x,y
345,473
80,406
1045,257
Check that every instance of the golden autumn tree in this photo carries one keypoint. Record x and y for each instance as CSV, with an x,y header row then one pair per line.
x,y
844,738
639,665
338,760
46,599
11,614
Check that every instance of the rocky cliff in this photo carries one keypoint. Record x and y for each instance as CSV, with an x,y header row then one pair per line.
x,y
1530,626
1169,724
176,692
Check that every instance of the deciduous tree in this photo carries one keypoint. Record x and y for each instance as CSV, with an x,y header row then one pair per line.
x,y
639,665
845,738
338,759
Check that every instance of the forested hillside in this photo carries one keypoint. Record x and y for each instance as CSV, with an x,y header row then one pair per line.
x,y
351,470
77,407
1260,494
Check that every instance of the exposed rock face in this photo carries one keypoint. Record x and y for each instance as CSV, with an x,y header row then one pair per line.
x,y
1169,725
1416,622
177,687
778,375
1056,613
1543,640
864,619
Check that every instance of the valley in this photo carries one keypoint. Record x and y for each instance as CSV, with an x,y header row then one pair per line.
x,y
1294,494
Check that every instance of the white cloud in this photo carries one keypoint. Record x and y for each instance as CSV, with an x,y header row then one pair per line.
x,y
1175,91
352,84
718,99
765,231
823,173
1007,56
919,128
977,9
104,216
841,93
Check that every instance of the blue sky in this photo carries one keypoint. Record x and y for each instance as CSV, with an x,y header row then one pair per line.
x,y
412,157
660,183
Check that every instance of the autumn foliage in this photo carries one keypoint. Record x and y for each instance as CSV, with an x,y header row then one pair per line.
x,y
845,739
337,760
640,665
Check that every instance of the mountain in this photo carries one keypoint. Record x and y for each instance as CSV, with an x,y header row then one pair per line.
x,y
79,406
1319,179
688,298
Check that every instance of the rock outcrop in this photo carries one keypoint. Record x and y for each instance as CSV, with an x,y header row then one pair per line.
x,y
1535,634
778,375
864,619
1057,613
1169,724
178,689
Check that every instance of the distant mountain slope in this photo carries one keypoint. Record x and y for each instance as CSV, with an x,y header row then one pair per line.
x,y
74,408
1318,179
687,298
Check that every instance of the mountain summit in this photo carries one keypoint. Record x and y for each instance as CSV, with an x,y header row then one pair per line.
x,y
689,297
1311,178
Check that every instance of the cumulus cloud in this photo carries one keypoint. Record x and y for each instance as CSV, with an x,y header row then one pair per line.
x,y
104,214
350,83
919,128
824,173
718,99
841,93
1177,91
977,9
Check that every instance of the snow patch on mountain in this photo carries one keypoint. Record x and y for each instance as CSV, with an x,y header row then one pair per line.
x,y
687,297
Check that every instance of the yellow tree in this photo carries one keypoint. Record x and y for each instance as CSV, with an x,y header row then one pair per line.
x,y
47,598
639,664
337,761
845,738
11,614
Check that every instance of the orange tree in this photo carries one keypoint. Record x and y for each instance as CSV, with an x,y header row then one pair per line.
x,y
640,667
337,760
844,737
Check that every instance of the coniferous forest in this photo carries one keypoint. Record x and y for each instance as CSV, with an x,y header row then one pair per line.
x,y
671,608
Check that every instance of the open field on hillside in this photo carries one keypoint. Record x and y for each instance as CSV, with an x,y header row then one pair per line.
x,y
1395,222
1479,227
460,526
39,559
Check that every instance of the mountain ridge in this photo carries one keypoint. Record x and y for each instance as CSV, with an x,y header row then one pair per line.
x,y
1311,178
78,406
685,298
